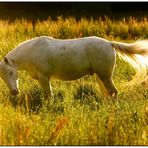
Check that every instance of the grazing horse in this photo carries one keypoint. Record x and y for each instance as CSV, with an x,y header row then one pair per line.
x,y
45,58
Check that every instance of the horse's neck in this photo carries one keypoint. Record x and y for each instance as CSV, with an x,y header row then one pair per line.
x,y
17,58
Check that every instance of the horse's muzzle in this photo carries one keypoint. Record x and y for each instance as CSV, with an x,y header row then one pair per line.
x,y
14,92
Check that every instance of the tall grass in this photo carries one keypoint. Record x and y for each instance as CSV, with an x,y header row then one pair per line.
x,y
78,115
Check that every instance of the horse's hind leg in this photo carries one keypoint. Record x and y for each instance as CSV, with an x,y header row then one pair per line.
x,y
102,88
106,85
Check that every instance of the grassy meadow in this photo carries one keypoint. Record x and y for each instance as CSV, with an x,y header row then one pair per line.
x,y
79,114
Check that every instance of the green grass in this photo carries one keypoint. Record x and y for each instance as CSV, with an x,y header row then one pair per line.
x,y
78,115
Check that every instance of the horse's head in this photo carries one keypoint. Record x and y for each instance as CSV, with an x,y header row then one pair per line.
x,y
9,74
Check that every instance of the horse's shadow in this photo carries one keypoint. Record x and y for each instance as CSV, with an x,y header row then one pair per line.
x,y
31,100
89,96
34,100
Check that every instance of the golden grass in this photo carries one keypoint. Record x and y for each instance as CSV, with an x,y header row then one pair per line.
x,y
79,115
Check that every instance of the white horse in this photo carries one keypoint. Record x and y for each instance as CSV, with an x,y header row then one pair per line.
x,y
46,57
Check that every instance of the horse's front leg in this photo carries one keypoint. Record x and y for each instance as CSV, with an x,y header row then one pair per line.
x,y
45,83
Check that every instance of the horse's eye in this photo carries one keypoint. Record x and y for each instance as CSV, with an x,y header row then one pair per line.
x,y
11,73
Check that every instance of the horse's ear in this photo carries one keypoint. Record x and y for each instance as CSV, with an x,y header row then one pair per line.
x,y
6,60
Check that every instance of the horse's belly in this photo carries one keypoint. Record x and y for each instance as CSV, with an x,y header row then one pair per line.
x,y
68,77
71,75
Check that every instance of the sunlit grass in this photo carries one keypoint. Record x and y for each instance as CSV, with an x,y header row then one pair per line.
x,y
78,115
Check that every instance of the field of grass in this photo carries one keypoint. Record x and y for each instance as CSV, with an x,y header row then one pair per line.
x,y
78,115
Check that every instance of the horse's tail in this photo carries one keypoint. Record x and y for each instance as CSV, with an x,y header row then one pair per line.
x,y
137,55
